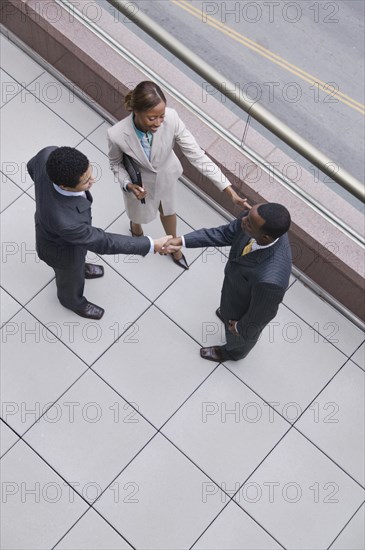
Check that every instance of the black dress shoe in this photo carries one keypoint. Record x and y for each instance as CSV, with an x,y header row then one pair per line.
x,y
180,262
213,353
91,311
93,271
219,315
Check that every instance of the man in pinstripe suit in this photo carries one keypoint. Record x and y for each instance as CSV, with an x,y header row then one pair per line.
x,y
256,275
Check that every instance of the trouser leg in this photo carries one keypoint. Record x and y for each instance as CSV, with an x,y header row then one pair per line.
x,y
238,347
70,287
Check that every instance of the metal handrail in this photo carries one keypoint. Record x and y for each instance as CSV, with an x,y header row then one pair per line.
x,y
253,108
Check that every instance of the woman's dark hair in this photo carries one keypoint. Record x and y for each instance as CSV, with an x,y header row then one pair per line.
x,y
277,219
66,165
144,97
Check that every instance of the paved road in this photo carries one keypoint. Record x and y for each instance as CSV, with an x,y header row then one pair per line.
x,y
274,50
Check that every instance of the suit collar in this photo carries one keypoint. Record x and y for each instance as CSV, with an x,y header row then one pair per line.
x,y
256,256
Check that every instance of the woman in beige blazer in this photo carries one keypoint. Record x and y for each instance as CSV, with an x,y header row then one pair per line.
x,y
148,135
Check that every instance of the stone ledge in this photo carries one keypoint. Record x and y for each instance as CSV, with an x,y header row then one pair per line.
x,y
320,250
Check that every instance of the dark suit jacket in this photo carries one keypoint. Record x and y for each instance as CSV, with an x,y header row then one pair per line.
x,y
254,284
64,232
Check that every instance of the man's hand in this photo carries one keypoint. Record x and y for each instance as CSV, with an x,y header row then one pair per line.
x,y
138,191
172,245
236,199
232,327
164,245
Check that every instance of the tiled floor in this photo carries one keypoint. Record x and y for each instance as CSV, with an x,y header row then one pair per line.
x,y
116,434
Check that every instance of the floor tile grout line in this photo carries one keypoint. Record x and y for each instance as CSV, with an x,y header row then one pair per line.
x,y
268,403
116,341
23,85
256,393
317,331
330,458
346,524
324,387
45,72
51,405
9,177
354,353
74,525
130,403
242,511
12,316
23,192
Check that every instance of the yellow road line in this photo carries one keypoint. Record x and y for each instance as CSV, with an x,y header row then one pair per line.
x,y
271,56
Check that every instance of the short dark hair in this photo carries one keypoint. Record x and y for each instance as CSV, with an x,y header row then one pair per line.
x,y
66,165
277,219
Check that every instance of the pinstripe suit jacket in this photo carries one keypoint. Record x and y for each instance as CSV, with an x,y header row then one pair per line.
x,y
254,285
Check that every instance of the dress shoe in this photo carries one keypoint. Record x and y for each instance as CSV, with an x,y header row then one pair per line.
x,y
93,271
133,233
180,262
213,353
219,315
91,311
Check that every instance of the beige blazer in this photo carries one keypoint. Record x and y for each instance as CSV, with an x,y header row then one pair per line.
x,y
160,174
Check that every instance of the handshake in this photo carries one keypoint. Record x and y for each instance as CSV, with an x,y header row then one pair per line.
x,y
167,244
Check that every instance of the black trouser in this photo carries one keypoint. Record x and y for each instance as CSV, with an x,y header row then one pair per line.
x,y
70,286
237,347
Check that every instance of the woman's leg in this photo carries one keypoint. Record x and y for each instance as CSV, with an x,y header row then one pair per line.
x,y
136,229
169,225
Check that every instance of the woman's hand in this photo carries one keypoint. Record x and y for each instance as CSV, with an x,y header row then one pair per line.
x,y
138,191
236,199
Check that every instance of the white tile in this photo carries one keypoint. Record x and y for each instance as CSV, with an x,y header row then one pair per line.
x,y
37,506
288,366
43,128
353,535
91,531
9,192
108,202
194,298
31,192
144,371
7,438
238,429
300,496
17,63
335,421
166,509
235,530
65,103
359,356
89,435
153,273
36,370
20,262
90,338
8,87
324,318
99,137
194,211
9,306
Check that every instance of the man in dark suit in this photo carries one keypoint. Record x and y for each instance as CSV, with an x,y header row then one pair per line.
x,y
63,178
256,275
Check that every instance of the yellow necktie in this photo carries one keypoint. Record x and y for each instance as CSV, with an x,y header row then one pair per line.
x,y
248,247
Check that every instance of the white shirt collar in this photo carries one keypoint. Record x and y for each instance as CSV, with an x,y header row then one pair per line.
x,y
256,246
69,193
